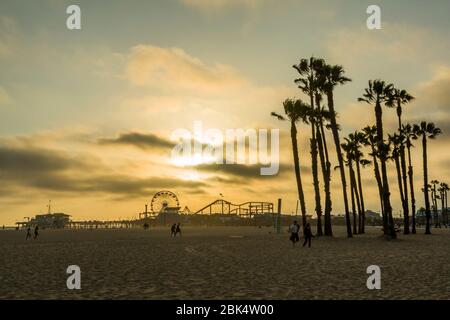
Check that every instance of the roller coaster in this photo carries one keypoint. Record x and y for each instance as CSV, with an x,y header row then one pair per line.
x,y
246,209
166,202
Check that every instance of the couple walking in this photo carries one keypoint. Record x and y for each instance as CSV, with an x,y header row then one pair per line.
x,y
175,229
294,230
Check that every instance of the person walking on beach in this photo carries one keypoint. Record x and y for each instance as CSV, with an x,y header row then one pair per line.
x,y
178,229
294,229
308,235
28,233
36,232
173,230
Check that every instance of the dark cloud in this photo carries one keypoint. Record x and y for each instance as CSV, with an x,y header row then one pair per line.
x,y
140,140
16,160
49,170
247,171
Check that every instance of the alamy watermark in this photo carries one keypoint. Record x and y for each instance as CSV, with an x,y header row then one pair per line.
x,y
374,280
74,280
229,147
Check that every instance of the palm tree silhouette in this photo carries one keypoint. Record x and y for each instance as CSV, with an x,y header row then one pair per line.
x,y
426,130
396,141
295,110
308,84
398,99
359,140
323,115
443,188
378,92
370,133
408,133
349,147
435,197
328,78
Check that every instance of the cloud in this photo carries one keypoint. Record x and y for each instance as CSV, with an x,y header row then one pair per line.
x,y
23,161
50,170
173,68
220,4
8,33
4,96
248,171
434,95
140,140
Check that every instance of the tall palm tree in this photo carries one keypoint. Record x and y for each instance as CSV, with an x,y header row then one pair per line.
x,y
397,141
308,84
435,197
378,92
408,133
443,188
426,130
329,77
359,140
323,115
370,134
349,147
397,100
295,110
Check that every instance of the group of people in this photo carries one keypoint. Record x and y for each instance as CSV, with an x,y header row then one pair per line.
x,y
294,230
36,232
175,229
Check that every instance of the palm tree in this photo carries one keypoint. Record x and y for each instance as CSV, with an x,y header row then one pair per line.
x,y
408,133
397,141
443,188
426,130
378,93
359,139
397,100
308,84
295,110
349,147
370,135
329,77
435,197
322,115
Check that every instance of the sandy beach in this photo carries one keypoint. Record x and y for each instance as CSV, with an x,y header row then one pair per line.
x,y
221,263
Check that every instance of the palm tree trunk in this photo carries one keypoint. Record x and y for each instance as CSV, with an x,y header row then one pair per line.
x,y
328,202
405,190
316,178
326,173
324,168
400,185
352,190
376,169
361,197
442,207
411,187
335,131
425,184
358,203
405,201
435,208
384,177
301,195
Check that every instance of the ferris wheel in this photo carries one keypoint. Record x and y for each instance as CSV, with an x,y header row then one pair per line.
x,y
164,200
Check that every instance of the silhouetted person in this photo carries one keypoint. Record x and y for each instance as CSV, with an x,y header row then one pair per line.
x,y
308,235
36,232
178,229
28,233
173,230
294,229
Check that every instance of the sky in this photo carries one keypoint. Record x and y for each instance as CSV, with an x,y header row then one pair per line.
x,y
86,116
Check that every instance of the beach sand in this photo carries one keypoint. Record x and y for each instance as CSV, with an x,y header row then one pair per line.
x,y
222,263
